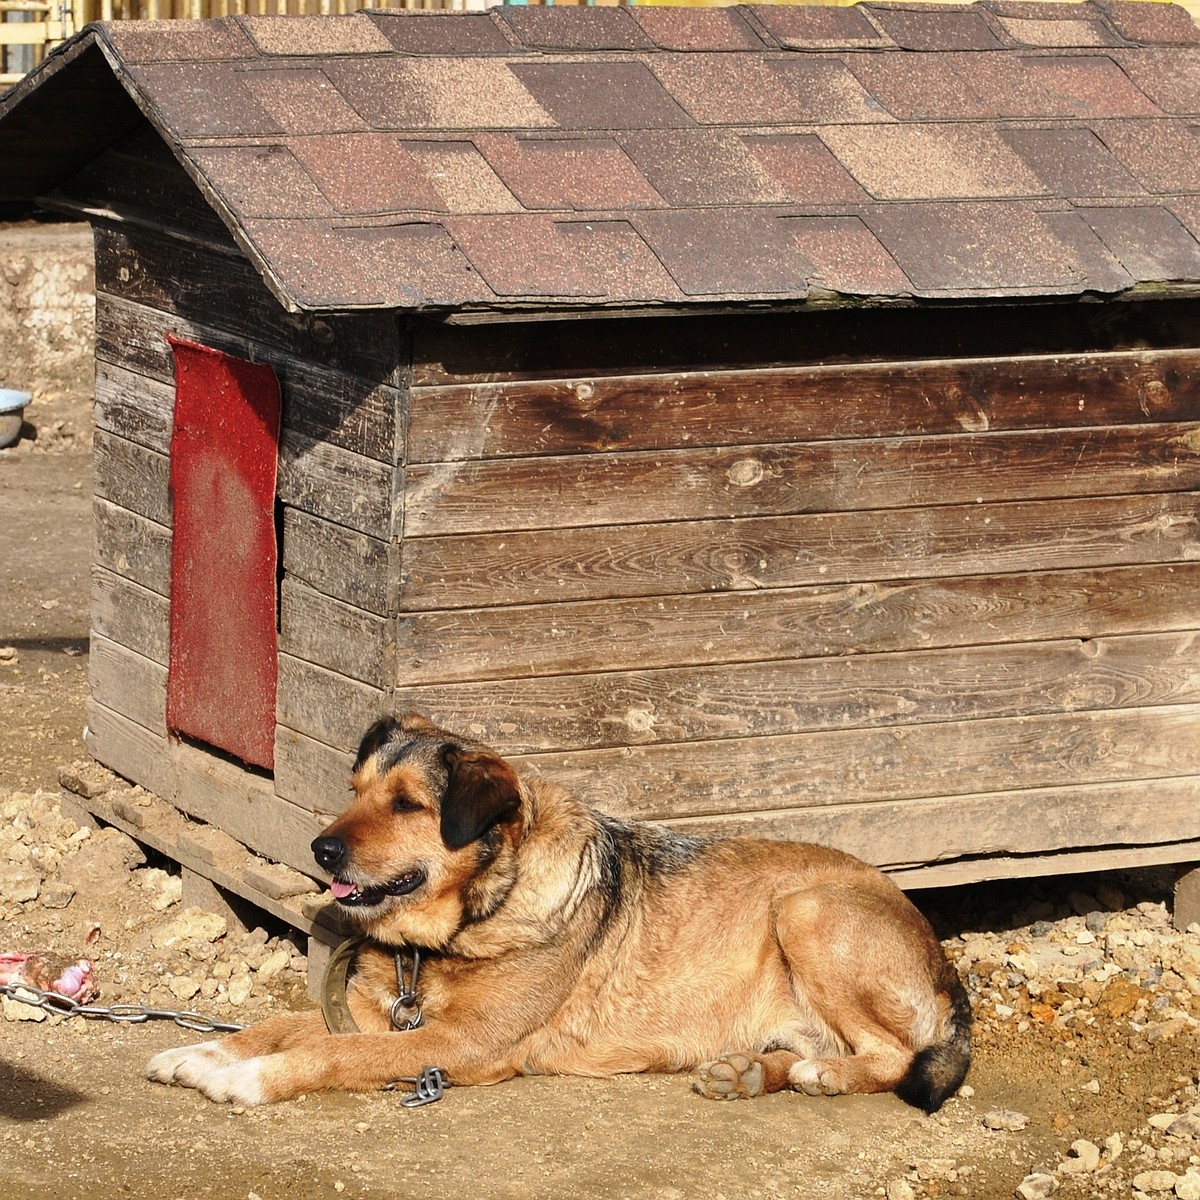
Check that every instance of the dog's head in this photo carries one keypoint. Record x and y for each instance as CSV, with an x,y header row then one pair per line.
x,y
432,818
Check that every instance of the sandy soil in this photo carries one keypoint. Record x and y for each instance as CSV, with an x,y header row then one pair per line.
x,y
77,1117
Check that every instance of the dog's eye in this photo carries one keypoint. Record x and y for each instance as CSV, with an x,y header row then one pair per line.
x,y
402,804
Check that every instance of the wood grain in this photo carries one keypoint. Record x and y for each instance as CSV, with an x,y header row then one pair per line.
x,y
672,558
132,547
326,706
128,683
798,404
331,634
336,561
134,616
917,832
898,762
855,618
132,476
867,690
844,476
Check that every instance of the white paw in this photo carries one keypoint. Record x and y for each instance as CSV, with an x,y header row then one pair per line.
x,y
237,1083
810,1076
186,1064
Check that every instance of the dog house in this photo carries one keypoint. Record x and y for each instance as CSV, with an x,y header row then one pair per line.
x,y
769,419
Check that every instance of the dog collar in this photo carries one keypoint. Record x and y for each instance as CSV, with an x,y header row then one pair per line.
x,y
405,1011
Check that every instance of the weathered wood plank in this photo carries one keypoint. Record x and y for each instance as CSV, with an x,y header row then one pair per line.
x,y
867,690
336,561
133,477
336,484
1027,866
606,635
324,705
310,774
797,404
130,614
902,762
133,407
916,832
671,558
128,683
132,547
318,402
243,804
331,634
129,749
846,476
170,275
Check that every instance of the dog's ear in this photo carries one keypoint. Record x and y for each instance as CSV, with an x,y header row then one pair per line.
x,y
374,739
481,790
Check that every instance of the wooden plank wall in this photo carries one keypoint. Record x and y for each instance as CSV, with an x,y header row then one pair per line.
x,y
343,394
922,610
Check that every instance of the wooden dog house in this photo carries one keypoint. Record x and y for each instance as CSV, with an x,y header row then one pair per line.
x,y
782,419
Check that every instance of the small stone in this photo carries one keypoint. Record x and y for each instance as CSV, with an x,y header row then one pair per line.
x,y
1154,1181
1114,1146
240,988
1037,1186
55,894
274,963
1005,1119
1082,902
1187,1186
1161,1120
1085,1158
191,924
1112,898
900,1189
183,987
14,1010
1093,1086
18,884
1186,1127
8,654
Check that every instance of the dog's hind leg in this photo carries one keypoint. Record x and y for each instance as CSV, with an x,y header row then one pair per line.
x,y
868,967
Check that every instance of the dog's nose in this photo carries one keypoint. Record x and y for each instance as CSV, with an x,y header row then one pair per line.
x,y
330,852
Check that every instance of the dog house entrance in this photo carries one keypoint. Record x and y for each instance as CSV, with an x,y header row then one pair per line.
x,y
222,672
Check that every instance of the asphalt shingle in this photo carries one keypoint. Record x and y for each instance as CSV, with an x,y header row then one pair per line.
x,y
625,156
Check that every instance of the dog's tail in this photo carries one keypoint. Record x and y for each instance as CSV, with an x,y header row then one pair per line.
x,y
937,1072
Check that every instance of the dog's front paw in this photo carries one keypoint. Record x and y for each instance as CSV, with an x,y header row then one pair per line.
x,y
814,1077
733,1077
186,1065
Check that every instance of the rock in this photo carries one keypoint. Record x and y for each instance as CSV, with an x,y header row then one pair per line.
x,y
1093,1086
900,1189
239,990
1186,1127
1120,998
1111,897
1161,1120
1006,1119
274,963
102,863
193,924
183,987
1082,902
14,1010
1114,1146
19,884
1187,1186
1154,1181
56,894
1037,1186
1085,1158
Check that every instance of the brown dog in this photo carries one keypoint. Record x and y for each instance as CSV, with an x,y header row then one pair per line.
x,y
558,940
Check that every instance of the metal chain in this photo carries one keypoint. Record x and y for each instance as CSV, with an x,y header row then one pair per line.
x,y
430,1085
124,1014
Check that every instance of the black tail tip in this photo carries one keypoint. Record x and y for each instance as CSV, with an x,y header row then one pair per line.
x,y
936,1073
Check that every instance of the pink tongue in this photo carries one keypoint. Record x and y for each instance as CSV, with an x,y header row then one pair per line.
x,y
341,889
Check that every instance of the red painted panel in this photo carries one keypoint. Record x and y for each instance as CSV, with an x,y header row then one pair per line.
x,y
224,449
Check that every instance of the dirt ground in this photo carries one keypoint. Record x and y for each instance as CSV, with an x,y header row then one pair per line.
x,y
78,1118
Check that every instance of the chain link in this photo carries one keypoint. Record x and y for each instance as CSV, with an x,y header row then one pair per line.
x,y
122,1014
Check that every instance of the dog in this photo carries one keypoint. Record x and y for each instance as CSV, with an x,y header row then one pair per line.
x,y
560,940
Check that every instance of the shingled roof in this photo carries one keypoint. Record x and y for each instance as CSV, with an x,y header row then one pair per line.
x,y
553,157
